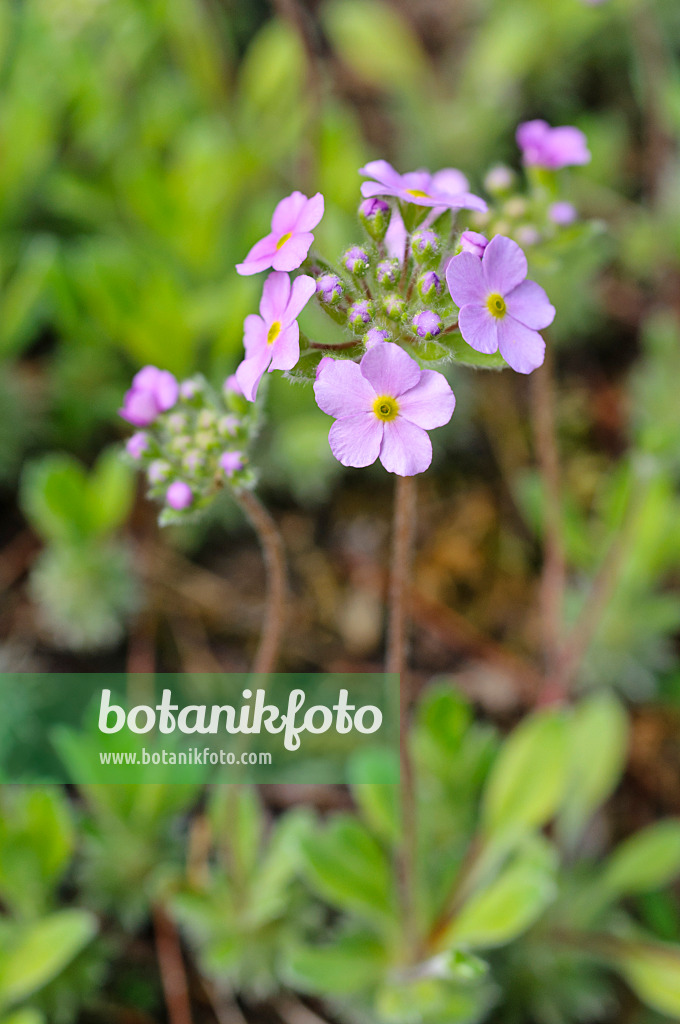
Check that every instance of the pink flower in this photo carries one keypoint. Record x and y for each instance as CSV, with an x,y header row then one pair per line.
x,y
137,444
153,391
272,339
383,408
499,309
231,462
179,495
447,189
552,148
287,245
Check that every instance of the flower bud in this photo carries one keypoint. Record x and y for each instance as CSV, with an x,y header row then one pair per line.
x,y
425,245
375,337
136,445
387,271
329,288
193,461
527,235
206,439
179,495
562,214
356,260
375,215
359,316
180,444
515,208
158,471
232,386
500,179
188,389
429,285
231,462
393,306
427,324
206,419
228,425
177,422
473,242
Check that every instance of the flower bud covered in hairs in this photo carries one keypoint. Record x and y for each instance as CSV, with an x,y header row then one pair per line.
x,y
375,215
426,324
356,261
360,315
329,288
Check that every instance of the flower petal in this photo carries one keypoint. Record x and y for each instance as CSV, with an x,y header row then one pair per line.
x,y
529,304
430,403
303,289
522,348
259,258
355,441
375,188
465,279
293,253
249,373
395,238
275,296
478,327
340,388
254,334
504,265
139,407
286,349
382,172
390,370
287,212
311,213
167,390
406,449
450,180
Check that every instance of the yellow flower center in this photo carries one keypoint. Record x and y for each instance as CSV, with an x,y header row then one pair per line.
x,y
496,306
273,332
417,193
283,239
386,408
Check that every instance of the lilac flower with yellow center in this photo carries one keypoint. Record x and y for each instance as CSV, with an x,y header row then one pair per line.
x,y
499,308
552,148
153,391
383,408
287,245
447,189
272,339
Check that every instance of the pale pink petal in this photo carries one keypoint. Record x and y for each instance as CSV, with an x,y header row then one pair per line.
x,y
287,212
504,265
286,348
390,370
249,373
259,258
382,172
355,441
254,334
479,328
450,180
303,289
275,296
139,408
374,188
430,403
293,253
311,214
167,390
395,239
146,378
465,279
417,181
522,348
566,146
532,133
341,390
406,449
529,304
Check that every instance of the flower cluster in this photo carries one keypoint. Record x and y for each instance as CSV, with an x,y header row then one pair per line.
x,y
440,277
191,441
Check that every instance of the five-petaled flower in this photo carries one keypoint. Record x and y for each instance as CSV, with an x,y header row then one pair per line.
x,y
383,408
499,309
447,188
272,339
153,391
552,148
287,245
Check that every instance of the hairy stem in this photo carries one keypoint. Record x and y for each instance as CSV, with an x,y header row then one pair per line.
x,y
397,639
275,562
171,966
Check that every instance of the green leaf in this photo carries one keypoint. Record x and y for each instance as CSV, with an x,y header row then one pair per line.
x,y
653,972
24,1016
352,963
598,743
528,777
648,860
464,353
111,491
347,867
509,905
53,496
42,951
